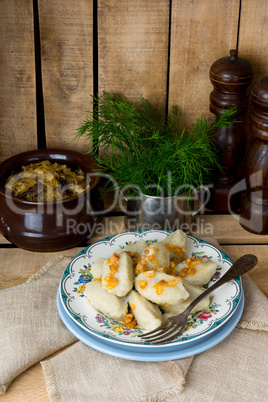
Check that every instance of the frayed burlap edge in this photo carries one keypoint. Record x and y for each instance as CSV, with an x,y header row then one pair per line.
x,y
3,388
171,392
161,396
47,267
255,325
50,380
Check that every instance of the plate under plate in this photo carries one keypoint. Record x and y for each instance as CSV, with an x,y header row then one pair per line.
x,y
223,301
157,353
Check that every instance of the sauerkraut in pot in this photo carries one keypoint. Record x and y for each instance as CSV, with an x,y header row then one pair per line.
x,y
46,181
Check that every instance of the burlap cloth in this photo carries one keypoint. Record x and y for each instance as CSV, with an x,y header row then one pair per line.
x,y
31,329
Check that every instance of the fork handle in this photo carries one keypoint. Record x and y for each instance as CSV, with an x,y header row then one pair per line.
x,y
240,267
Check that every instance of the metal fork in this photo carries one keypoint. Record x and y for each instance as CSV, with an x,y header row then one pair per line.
x,y
175,325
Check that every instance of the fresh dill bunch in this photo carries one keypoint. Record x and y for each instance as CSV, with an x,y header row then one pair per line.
x,y
144,150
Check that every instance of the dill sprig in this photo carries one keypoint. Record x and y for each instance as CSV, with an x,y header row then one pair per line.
x,y
141,148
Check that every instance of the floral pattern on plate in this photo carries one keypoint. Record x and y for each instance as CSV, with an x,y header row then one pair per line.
x,y
77,274
84,278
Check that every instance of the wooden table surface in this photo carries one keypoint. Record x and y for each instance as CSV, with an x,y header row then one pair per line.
x,y
17,265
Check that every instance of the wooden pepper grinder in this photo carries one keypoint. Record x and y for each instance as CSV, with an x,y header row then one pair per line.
x,y
254,202
230,77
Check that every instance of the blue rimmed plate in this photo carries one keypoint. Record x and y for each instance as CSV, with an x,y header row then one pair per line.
x,y
223,305
147,353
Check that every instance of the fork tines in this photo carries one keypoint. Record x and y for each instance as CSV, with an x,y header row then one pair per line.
x,y
164,333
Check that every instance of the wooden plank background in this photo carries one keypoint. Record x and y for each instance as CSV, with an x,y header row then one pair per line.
x,y
160,49
201,32
133,48
66,34
17,83
253,38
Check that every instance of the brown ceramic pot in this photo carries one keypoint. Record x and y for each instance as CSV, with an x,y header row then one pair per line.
x,y
52,225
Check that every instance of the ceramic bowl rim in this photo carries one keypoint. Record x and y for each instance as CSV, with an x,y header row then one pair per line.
x,y
48,151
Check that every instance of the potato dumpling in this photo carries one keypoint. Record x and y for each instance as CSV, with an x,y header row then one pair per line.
x,y
147,314
118,274
107,303
176,244
177,238
194,291
161,288
155,256
136,248
97,267
197,271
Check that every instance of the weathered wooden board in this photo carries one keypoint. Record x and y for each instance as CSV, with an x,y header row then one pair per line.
x,y
253,37
29,263
259,274
201,32
17,84
224,228
133,48
66,31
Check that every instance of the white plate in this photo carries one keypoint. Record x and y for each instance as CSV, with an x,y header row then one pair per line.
x,y
223,301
